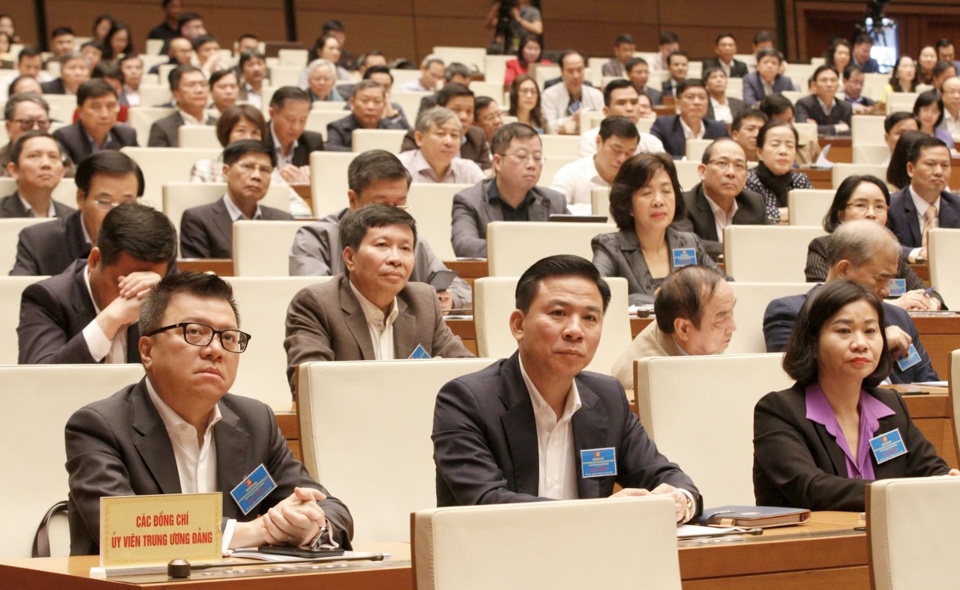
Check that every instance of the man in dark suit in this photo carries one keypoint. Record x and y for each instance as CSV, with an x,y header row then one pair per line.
x,y
767,79
97,129
491,428
832,116
367,104
180,51
167,30
678,62
862,44
674,130
638,72
473,143
512,195
725,48
853,90
720,107
191,94
207,231
104,181
87,313
720,199
289,108
927,202
867,254
124,445
373,311
37,166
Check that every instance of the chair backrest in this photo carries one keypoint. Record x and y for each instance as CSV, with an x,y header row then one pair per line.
x,y
494,301
600,201
263,303
61,106
871,153
873,85
495,69
512,246
328,181
688,173
901,101
410,101
141,118
567,146
954,394
735,88
911,525
285,75
180,196
65,389
767,253
521,545
153,96
943,245
752,300
493,89
472,57
866,129
162,165
808,205
293,57
841,172
723,390
262,248
317,120
199,136
9,236
432,206
551,165
695,149
11,289
153,47
378,139
546,72
370,421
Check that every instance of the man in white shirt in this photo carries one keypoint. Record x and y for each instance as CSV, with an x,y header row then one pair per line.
x,y
563,104
620,99
437,158
617,140
431,74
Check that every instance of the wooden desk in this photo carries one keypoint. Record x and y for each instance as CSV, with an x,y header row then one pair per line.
x,y
941,336
841,149
220,266
821,178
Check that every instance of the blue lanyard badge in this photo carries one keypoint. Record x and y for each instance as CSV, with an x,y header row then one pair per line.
x,y
912,358
684,257
419,353
598,462
253,489
897,287
888,446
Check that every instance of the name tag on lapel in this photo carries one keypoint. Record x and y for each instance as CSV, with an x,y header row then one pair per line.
x,y
598,462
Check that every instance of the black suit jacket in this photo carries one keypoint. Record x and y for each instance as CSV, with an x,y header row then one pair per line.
x,y
120,447
76,145
656,96
700,219
340,132
736,105
809,107
474,148
670,132
11,206
738,69
53,87
165,132
49,248
309,141
797,463
753,91
53,314
207,231
485,440
904,222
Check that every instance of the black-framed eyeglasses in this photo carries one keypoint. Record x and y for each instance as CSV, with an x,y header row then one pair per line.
x,y
202,335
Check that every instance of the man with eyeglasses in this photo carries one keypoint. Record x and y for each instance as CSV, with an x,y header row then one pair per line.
x,y
207,231
720,199
617,140
191,94
25,112
436,158
97,129
37,166
88,313
178,430
104,181
511,195
374,176
675,130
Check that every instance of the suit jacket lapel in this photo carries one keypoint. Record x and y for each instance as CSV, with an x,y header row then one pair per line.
x,y
223,223
233,442
681,138
837,458
133,343
913,223
404,331
520,429
83,308
154,446
589,432
708,222
355,319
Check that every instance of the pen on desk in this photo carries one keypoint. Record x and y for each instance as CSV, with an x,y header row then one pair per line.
x,y
928,290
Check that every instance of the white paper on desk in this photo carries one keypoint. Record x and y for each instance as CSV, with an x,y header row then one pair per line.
x,y
822,161
252,553
933,383
692,531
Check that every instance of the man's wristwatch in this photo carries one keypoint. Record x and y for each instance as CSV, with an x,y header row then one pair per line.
x,y
690,509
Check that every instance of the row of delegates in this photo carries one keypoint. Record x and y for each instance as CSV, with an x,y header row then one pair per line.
x,y
510,432
867,253
866,197
372,311
645,199
178,430
774,177
373,177
812,442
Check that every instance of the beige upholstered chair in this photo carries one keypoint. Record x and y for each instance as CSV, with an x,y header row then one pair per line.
x,y
841,172
752,300
378,139
512,246
9,236
199,136
262,248
767,253
808,206
943,245
431,205
328,181
162,165
11,290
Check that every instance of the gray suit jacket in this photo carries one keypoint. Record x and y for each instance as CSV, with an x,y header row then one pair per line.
x,y
120,447
47,249
475,207
753,91
75,144
207,231
317,251
165,132
700,220
326,323
53,314
12,206
485,440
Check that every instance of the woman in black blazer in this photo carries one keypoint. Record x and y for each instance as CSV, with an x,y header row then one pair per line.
x,y
812,443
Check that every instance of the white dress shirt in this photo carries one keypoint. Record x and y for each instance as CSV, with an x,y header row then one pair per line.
x,y
648,144
100,347
236,214
577,179
721,112
380,326
720,216
555,100
689,134
461,171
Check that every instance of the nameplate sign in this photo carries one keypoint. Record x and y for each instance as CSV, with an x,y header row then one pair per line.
x,y
152,530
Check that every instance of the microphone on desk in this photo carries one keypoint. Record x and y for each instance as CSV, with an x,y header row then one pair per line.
x,y
180,569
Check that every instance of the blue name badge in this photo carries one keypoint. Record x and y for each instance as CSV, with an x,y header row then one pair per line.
x,y
598,462
888,446
910,360
684,257
898,287
253,489
419,353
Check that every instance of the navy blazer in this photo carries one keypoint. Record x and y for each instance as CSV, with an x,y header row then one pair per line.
x,y
485,440
207,231
781,314
700,220
809,107
670,132
47,249
76,145
12,207
753,91
903,220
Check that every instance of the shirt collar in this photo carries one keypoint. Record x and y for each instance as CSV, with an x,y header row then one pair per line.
x,y
571,405
921,204
373,313
235,213
86,281
276,142
688,132
51,210
172,420
493,196
718,211
823,105
188,119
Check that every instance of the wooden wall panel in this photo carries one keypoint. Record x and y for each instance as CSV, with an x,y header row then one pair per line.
x,y
24,17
